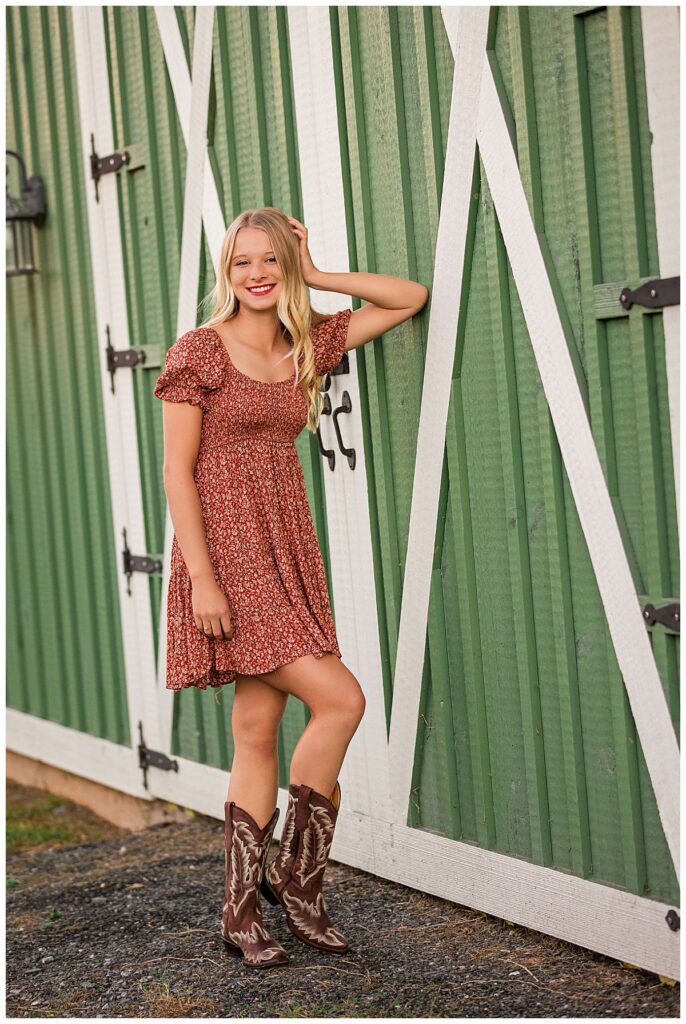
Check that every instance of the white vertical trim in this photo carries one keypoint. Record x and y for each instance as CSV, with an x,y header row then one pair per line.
x,y
438,368
364,774
92,74
195,133
661,31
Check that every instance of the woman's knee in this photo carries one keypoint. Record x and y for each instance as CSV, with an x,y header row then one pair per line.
x,y
256,717
349,702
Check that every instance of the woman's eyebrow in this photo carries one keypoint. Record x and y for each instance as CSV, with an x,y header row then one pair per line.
x,y
266,253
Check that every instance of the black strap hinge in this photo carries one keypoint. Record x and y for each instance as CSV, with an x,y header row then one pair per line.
x,y
668,615
121,357
106,164
138,563
652,294
153,758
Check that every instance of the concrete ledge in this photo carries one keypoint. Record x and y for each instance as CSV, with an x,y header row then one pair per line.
x,y
120,809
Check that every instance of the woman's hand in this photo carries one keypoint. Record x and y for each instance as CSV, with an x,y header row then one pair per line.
x,y
211,610
306,265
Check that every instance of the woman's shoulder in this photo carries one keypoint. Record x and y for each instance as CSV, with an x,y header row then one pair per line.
x,y
193,365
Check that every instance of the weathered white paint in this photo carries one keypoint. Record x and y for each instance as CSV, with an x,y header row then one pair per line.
x,y
365,769
661,34
119,408
589,914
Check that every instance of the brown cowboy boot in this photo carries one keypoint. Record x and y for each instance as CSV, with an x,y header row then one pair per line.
x,y
294,877
245,855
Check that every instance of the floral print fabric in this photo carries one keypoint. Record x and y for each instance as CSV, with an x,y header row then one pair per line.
x,y
260,535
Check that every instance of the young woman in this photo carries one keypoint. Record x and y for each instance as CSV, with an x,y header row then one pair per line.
x,y
247,600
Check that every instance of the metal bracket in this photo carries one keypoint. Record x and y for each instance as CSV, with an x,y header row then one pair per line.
x,y
153,758
342,367
121,357
138,563
669,615
106,164
652,294
673,920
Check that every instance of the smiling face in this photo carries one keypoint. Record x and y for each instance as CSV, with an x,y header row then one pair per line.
x,y
254,271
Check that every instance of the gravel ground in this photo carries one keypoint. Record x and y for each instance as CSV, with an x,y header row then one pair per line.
x,y
126,925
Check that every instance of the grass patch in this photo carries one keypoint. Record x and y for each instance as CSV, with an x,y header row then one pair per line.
x,y
35,820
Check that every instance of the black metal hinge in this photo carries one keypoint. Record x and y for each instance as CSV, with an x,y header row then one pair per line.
x,y
668,615
106,164
652,294
138,563
121,357
153,758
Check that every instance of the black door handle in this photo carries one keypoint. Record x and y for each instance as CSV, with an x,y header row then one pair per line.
x,y
328,453
345,406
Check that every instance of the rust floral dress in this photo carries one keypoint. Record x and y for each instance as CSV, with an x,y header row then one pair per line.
x,y
260,535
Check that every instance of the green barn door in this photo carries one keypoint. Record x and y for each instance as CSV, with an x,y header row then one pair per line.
x,y
526,743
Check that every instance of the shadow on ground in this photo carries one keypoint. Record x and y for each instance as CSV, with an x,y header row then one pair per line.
x,y
102,922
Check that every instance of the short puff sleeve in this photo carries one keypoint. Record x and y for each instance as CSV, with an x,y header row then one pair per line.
x,y
328,340
192,370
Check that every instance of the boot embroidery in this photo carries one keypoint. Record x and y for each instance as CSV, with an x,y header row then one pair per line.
x,y
316,845
244,875
312,919
252,937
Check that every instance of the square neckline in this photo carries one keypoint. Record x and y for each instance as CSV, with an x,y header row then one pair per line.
x,y
253,380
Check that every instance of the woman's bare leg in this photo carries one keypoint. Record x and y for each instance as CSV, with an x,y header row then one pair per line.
x,y
256,714
336,703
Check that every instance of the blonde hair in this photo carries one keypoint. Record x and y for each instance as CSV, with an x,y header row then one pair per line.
x,y
293,306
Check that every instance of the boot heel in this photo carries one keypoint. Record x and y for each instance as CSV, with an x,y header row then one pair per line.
x,y
231,948
268,892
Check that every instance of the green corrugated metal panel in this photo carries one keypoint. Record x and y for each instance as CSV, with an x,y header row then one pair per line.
x,y
64,649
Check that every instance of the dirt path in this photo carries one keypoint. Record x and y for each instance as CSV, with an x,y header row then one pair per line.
x,y
119,924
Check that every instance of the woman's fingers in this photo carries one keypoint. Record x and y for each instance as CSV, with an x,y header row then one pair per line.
x,y
215,626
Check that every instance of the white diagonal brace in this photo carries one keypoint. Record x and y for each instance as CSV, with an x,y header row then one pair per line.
x,y
195,132
586,478
177,69
438,371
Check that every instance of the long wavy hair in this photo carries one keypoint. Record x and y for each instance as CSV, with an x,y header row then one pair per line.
x,y
293,307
